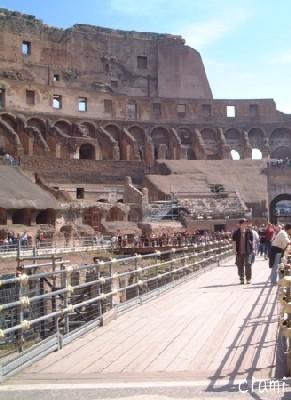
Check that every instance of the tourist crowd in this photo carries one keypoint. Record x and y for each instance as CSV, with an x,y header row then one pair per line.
x,y
280,163
166,239
11,239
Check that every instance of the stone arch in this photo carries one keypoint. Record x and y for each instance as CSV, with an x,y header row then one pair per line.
x,y
186,138
113,130
115,133
211,143
21,217
39,124
46,217
3,216
91,128
282,152
115,214
234,139
9,140
140,136
65,126
257,139
280,143
93,216
160,138
10,120
87,151
272,207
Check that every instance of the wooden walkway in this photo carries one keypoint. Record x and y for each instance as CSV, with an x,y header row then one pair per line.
x,y
210,328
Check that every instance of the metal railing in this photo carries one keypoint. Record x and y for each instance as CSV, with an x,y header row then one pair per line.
x,y
48,246
49,304
285,300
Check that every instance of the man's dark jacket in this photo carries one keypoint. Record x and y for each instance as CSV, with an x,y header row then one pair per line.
x,y
249,241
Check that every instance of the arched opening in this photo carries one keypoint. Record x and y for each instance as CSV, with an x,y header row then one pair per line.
x,y
187,151
256,154
9,119
115,214
235,155
38,124
87,152
7,142
64,126
281,153
114,132
234,140
257,139
211,145
139,135
93,217
3,216
46,217
102,201
21,217
280,143
280,209
160,138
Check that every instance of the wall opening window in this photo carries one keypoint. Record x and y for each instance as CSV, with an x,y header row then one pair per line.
x,y
256,154
107,68
82,104
235,155
157,110
230,111
30,97
56,77
2,98
108,106
206,111
132,111
181,110
114,84
254,110
142,62
57,101
26,48
80,193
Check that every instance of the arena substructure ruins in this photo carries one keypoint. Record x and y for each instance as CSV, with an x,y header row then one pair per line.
x,y
120,130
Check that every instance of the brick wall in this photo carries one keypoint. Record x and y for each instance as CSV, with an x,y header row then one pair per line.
x,y
85,171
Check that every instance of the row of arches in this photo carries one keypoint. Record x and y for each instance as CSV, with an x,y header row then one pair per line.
x,y
26,216
89,140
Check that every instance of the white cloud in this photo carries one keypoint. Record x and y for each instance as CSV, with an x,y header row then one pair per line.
x,y
202,34
281,58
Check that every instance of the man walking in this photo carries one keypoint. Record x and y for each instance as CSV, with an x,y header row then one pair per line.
x,y
243,239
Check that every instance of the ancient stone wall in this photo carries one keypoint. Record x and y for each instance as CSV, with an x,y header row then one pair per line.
x,y
98,59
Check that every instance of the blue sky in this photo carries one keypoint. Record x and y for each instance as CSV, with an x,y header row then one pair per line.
x,y
245,44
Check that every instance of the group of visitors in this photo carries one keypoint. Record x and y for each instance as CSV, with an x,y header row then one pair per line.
x,y
280,163
166,239
269,241
11,240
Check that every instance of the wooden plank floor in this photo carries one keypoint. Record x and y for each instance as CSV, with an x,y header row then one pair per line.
x,y
208,328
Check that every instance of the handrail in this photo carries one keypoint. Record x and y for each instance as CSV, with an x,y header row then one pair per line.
x,y
53,302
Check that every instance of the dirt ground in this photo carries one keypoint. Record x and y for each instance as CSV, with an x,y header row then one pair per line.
x,y
8,266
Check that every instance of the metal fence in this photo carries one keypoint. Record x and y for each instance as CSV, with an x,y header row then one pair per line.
x,y
49,304
285,312
47,247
